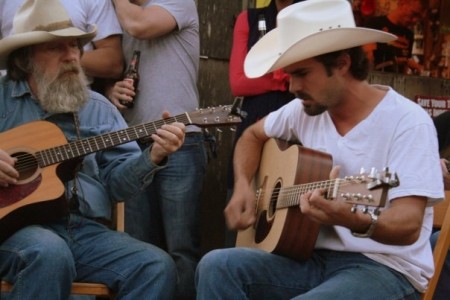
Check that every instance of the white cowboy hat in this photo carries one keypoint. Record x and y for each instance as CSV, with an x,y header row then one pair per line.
x,y
308,29
40,21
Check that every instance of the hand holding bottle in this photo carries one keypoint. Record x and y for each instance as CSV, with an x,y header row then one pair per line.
x,y
121,93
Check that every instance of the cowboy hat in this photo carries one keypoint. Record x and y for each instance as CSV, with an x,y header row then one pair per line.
x,y
41,21
308,29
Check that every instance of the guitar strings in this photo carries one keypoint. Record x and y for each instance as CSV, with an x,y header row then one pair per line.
x,y
291,194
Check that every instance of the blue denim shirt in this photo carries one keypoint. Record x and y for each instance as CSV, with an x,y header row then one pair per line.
x,y
114,174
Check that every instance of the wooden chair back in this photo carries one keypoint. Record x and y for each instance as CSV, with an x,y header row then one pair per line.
x,y
442,221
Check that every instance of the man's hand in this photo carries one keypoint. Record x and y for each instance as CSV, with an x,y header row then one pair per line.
x,y
8,175
121,91
167,139
446,174
240,211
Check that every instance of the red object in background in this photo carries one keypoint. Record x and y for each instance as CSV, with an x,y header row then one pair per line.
x,y
368,7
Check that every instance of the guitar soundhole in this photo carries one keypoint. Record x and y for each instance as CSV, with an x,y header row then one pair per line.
x,y
273,200
26,165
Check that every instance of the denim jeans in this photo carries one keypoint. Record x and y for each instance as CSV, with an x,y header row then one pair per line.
x,y
442,291
168,213
43,261
243,273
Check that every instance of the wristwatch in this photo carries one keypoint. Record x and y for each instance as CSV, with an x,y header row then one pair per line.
x,y
373,223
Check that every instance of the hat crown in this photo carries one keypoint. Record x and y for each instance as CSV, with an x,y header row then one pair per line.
x,y
34,16
306,18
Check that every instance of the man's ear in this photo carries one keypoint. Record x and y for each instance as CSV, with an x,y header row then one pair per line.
x,y
343,63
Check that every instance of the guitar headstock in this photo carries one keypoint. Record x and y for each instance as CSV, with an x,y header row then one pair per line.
x,y
369,190
223,115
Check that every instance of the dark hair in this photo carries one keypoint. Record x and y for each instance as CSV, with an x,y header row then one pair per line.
x,y
360,65
18,65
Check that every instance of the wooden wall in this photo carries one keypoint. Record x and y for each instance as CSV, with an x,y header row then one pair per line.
x,y
217,19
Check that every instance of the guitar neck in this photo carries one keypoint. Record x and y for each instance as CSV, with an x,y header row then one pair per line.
x,y
93,144
290,196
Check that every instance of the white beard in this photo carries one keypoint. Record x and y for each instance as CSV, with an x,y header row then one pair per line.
x,y
61,93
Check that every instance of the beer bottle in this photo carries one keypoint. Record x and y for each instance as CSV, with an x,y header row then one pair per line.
x,y
132,74
262,29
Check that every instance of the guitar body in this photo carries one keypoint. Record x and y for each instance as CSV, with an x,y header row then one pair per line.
x,y
284,231
36,186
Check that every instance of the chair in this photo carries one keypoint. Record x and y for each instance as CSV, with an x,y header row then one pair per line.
x,y
442,221
84,288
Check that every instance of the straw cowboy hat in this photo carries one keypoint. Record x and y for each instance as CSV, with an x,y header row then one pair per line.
x,y
40,21
308,29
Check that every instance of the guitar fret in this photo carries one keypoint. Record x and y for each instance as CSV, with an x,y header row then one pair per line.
x,y
142,131
62,153
96,144
86,146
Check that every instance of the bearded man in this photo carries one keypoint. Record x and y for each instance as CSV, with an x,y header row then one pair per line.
x,y
45,84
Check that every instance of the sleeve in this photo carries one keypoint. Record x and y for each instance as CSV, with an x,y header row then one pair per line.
x,y
240,84
102,13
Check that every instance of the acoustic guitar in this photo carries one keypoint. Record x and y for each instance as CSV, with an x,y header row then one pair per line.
x,y
285,173
42,152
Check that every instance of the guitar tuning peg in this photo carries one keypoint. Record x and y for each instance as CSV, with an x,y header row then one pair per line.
x,y
218,134
353,209
362,171
373,173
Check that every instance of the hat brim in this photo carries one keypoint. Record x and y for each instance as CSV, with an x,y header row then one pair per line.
x,y
265,57
16,41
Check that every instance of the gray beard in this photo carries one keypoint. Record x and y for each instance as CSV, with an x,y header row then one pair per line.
x,y
62,93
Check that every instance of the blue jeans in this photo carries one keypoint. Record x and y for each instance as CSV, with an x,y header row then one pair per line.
x,y
243,273
43,261
168,213
442,291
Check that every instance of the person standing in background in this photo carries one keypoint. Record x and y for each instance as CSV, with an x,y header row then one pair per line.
x,y
396,56
260,95
102,58
167,213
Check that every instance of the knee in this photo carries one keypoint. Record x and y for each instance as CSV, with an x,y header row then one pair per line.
x,y
54,253
161,267
44,252
214,262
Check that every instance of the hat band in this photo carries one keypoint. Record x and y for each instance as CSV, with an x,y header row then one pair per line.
x,y
54,26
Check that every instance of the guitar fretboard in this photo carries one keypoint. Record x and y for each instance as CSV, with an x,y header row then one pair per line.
x,y
290,196
92,144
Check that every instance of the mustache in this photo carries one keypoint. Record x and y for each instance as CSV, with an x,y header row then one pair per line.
x,y
69,68
302,96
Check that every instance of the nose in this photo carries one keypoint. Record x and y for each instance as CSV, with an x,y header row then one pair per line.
x,y
70,53
294,85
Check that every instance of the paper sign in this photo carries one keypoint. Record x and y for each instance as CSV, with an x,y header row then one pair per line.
x,y
434,105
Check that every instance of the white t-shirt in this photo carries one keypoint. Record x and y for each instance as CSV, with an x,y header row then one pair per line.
x,y
398,134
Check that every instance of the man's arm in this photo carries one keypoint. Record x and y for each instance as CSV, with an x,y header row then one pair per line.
x,y
144,22
240,211
105,60
400,224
